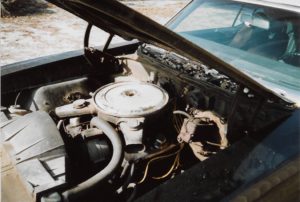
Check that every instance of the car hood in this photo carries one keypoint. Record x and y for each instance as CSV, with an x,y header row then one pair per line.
x,y
116,18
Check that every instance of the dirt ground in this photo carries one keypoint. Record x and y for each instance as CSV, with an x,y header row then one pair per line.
x,y
55,30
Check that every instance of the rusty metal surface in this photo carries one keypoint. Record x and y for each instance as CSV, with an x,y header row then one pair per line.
x,y
217,120
46,98
187,130
198,119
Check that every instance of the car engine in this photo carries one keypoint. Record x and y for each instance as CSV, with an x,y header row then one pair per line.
x,y
126,132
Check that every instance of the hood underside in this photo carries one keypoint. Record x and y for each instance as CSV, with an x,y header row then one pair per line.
x,y
116,18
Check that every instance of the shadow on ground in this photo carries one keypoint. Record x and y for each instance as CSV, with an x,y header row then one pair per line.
x,y
13,8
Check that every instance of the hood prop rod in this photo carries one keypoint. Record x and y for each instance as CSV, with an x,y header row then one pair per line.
x,y
87,38
94,56
108,42
87,35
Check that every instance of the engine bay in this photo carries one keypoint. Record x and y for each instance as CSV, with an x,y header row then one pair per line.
x,y
125,131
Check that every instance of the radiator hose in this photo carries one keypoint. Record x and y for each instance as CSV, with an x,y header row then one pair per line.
x,y
114,163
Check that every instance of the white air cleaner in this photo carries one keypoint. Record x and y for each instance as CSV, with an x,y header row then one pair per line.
x,y
130,99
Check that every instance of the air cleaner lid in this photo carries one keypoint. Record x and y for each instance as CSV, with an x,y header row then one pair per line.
x,y
130,99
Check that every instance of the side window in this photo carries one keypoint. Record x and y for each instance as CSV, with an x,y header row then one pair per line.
x,y
224,16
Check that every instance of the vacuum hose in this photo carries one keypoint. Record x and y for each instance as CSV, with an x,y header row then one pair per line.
x,y
114,163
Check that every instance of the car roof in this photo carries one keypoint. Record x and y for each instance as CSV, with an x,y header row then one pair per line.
x,y
290,5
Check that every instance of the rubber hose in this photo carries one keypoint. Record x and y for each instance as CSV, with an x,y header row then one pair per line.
x,y
114,163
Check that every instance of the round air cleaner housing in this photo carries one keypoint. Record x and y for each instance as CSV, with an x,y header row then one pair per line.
x,y
130,99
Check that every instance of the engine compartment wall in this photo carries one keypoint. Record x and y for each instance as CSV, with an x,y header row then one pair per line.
x,y
48,97
42,71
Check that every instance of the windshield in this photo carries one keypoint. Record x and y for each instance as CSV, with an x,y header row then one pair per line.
x,y
263,42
